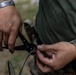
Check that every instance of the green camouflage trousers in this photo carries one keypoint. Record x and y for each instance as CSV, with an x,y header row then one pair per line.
x,y
67,70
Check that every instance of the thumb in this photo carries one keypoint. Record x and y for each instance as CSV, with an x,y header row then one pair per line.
x,y
44,47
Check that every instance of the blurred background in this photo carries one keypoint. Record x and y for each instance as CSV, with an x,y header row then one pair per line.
x,y
28,10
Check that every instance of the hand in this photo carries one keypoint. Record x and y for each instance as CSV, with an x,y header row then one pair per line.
x,y
59,55
10,23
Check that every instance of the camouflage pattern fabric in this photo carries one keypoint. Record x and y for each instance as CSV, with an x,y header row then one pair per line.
x,y
67,70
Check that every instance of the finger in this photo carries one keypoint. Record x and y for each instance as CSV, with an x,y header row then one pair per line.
x,y
5,38
1,49
45,60
42,68
12,40
13,35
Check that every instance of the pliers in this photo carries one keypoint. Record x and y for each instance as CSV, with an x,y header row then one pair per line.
x,y
26,45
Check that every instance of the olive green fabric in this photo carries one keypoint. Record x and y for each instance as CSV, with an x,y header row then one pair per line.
x,y
56,20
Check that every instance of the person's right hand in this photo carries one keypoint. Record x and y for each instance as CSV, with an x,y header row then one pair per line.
x,y
58,55
10,23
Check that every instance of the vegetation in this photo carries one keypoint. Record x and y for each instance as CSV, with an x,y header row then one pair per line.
x,y
27,10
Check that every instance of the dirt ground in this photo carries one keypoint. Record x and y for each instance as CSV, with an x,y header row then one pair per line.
x,y
4,56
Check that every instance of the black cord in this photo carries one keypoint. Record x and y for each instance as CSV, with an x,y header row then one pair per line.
x,y
10,66
25,61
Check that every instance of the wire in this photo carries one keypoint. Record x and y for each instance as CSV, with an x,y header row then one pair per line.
x,y
11,68
25,61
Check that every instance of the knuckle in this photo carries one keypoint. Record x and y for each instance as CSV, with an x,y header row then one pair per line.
x,y
6,30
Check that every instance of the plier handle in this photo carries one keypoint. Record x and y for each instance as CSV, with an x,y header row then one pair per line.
x,y
26,45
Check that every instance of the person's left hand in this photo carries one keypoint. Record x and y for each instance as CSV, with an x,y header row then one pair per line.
x,y
59,55
10,25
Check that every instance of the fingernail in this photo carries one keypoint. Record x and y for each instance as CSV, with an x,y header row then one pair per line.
x,y
39,46
12,51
